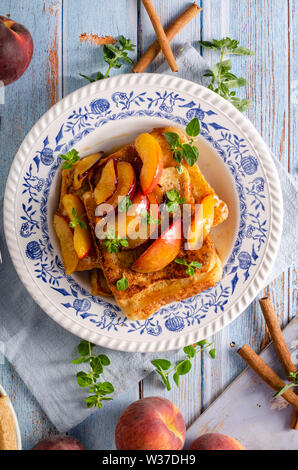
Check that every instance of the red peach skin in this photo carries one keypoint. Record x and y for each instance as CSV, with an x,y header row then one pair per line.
x,y
216,441
153,423
162,251
59,443
16,50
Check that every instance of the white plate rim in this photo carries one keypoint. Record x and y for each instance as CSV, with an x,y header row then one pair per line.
x,y
16,423
274,191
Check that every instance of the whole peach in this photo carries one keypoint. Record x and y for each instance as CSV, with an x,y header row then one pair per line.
x,y
153,423
16,49
216,441
59,443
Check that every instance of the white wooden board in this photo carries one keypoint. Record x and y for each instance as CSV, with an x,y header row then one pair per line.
x,y
247,410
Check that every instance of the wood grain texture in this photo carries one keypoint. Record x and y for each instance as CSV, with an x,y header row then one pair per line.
x,y
58,59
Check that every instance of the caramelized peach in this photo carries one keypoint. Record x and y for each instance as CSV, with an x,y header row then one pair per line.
x,y
65,236
208,213
75,210
83,167
151,155
107,184
162,251
196,230
126,185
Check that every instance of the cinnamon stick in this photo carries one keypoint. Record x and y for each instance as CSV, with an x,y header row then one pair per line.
x,y
267,374
161,35
277,336
172,31
279,344
294,421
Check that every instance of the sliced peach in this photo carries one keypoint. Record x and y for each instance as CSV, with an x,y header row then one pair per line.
x,y
154,213
151,155
162,251
107,184
196,229
82,239
83,167
65,236
126,185
208,213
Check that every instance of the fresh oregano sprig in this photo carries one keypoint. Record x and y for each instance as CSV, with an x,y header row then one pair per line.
x,y
174,200
113,242
164,367
76,221
114,56
294,377
122,284
190,266
125,204
185,150
98,390
223,81
70,158
147,219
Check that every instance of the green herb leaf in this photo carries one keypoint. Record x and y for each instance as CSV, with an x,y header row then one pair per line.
x,y
172,138
122,284
174,200
294,377
184,149
190,266
183,367
163,366
89,380
190,351
76,221
114,55
193,128
212,353
222,80
125,204
113,243
70,158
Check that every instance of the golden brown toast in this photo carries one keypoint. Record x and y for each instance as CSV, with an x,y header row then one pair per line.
x,y
148,292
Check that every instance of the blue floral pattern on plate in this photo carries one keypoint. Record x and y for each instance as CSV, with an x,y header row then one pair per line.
x,y
46,265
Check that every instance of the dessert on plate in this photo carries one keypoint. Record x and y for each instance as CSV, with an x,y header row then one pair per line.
x,y
139,221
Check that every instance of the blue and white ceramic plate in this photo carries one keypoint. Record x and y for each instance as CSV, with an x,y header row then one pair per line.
x,y
101,116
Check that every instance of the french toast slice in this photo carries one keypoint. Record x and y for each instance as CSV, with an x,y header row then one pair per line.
x,y
146,293
199,185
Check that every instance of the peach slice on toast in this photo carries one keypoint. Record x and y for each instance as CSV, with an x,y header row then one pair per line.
x,y
196,230
107,184
65,236
75,210
83,167
208,213
162,251
151,155
126,186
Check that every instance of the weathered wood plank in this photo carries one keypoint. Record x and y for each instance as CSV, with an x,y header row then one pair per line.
x,y
29,97
25,101
103,18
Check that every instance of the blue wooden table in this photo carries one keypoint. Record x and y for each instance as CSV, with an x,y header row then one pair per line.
x,y
270,28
